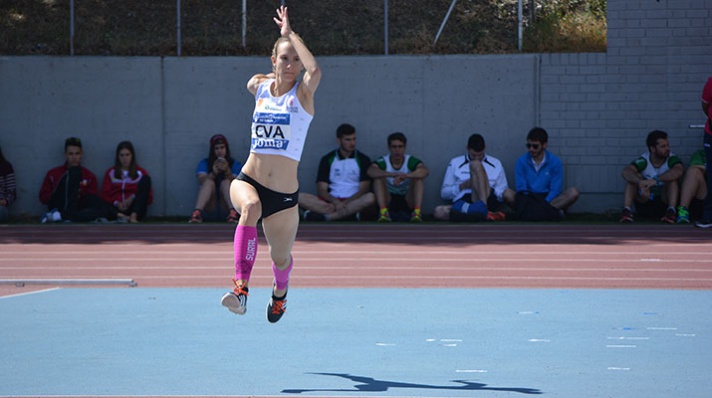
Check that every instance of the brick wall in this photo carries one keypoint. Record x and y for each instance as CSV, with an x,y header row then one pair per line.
x,y
598,108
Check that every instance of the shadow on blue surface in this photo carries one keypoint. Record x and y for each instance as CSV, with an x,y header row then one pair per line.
x,y
455,343
369,384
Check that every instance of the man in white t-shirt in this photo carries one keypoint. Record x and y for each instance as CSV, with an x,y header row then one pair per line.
x,y
342,184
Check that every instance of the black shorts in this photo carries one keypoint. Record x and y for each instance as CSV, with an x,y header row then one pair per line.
x,y
272,202
652,209
492,202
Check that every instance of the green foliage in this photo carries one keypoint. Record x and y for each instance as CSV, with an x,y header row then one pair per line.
x,y
567,26
330,27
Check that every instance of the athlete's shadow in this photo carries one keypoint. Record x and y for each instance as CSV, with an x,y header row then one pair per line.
x,y
369,384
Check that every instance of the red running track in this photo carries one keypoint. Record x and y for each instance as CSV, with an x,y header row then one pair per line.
x,y
487,255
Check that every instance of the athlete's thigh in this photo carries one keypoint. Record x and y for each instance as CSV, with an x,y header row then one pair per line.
x,y
244,196
280,231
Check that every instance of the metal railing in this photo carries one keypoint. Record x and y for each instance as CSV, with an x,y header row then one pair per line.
x,y
520,25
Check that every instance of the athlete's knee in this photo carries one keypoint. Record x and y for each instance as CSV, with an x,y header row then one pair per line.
x,y
369,199
574,193
251,208
282,262
208,184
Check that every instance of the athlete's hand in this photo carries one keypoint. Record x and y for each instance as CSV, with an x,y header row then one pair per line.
x,y
339,205
121,206
399,178
647,184
283,21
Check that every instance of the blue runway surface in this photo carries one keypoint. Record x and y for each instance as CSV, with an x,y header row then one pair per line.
x,y
359,342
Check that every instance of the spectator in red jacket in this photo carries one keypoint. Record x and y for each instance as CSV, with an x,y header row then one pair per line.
x,y
70,191
7,188
127,186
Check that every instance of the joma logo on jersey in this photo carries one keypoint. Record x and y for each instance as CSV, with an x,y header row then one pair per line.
x,y
271,131
269,143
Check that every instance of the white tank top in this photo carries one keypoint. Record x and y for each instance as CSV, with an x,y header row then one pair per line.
x,y
279,124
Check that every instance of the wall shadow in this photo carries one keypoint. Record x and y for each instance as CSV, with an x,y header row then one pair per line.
x,y
435,235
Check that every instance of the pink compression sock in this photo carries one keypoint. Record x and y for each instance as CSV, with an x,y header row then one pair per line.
x,y
281,277
245,251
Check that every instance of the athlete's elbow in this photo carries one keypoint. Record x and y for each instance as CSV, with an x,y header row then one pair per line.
x,y
314,71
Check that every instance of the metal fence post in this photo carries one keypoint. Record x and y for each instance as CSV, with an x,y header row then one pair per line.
x,y
385,26
244,23
71,27
178,38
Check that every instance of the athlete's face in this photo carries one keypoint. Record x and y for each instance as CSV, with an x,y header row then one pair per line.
x,y
347,143
286,63
397,149
73,154
661,149
125,158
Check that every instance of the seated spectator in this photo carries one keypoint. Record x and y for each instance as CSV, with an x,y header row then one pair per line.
x,y
476,185
706,220
652,181
342,183
694,189
539,180
7,188
214,174
70,191
398,181
127,186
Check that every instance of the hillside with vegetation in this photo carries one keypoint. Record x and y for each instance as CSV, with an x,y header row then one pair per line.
x,y
330,27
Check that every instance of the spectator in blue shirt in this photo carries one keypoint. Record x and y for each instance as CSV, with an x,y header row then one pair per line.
x,y
539,172
214,175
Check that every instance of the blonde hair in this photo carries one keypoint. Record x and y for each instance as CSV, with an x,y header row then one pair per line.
x,y
277,43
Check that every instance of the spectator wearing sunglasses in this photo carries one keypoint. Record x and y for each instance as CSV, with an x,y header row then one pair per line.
x,y
539,173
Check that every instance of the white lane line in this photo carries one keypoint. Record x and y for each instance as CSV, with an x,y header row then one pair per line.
x,y
29,293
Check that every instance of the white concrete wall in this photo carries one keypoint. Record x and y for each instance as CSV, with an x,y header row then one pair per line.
x,y
170,107
597,107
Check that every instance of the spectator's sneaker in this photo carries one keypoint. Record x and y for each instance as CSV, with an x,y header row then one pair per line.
x,y
313,216
495,216
52,216
196,217
385,216
626,216
276,308
670,215
236,300
415,216
233,217
703,224
683,215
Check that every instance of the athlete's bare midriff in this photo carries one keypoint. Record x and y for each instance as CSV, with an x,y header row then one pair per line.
x,y
275,172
